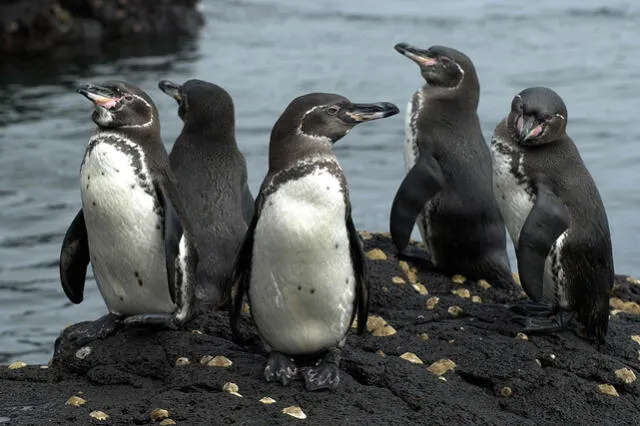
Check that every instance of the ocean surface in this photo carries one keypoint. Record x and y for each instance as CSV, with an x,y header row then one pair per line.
x,y
265,53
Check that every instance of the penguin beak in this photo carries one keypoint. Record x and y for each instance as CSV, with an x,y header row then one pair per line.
x,y
99,95
419,56
528,128
367,112
172,89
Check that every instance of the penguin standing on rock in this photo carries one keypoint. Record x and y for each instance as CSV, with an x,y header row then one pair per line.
x,y
212,180
554,215
302,263
447,188
130,226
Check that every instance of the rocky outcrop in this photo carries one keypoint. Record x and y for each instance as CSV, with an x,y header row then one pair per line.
x,y
42,26
439,350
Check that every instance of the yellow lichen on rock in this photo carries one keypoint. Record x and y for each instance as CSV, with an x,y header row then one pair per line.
x,y
484,284
410,272
380,352
99,415
420,288
506,391
378,327
366,235
167,422
220,361
246,309
432,302
231,388
376,254
607,389
267,400
628,307
633,280
183,361
458,279
75,401
295,411
626,375
159,414
454,311
423,336
17,365
476,299
441,366
462,292
411,357
636,338
522,336
398,280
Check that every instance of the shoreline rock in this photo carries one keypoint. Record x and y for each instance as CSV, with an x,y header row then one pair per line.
x,y
421,361
36,27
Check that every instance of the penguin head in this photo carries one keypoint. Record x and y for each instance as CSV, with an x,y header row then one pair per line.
x,y
439,65
202,105
120,105
538,116
327,117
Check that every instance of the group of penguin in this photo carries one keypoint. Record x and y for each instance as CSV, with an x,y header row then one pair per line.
x,y
170,234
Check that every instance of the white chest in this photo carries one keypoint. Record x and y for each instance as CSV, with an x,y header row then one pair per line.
x,y
510,188
124,228
411,151
302,281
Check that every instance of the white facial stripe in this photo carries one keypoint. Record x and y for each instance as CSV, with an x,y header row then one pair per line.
x,y
148,123
319,138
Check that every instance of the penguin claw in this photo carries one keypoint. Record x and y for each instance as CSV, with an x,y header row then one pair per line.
x,y
280,368
161,321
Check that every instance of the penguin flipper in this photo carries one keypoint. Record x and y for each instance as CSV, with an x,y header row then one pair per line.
x,y
172,234
360,273
241,275
74,259
548,219
247,203
422,182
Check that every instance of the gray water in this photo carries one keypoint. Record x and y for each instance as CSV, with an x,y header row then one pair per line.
x,y
265,53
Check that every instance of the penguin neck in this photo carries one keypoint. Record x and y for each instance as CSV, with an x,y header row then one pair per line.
x,y
464,96
284,154
210,128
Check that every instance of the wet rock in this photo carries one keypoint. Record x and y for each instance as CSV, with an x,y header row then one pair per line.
x,y
37,27
552,378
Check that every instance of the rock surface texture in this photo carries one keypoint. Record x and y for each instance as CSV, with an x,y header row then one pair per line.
x,y
439,351
41,26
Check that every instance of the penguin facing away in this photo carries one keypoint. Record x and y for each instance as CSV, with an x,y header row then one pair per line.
x,y
130,226
302,263
212,182
554,215
447,189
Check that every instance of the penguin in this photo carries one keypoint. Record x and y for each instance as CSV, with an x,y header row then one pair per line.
x,y
554,216
447,188
302,263
212,180
130,227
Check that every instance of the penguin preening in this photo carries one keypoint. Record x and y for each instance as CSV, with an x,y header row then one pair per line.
x,y
302,263
212,182
447,189
554,215
130,226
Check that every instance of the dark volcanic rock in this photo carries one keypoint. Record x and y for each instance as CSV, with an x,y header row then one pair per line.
x,y
42,26
498,378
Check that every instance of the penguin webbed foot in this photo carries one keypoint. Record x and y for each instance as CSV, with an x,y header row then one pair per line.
x,y
161,321
325,374
558,322
87,331
528,308
418,257
280,368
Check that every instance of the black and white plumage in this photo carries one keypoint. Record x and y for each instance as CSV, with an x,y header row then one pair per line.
x,y
447,188
553,212
302,263
129,227
212,181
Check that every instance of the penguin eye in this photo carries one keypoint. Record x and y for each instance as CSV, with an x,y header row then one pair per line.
x,y
128,98
333,110
445,60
